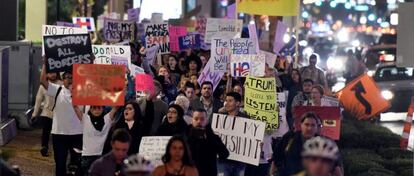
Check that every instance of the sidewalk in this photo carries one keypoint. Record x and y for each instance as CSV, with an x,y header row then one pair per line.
x,y
25,149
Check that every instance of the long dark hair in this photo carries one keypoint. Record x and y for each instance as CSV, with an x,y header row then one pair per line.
x,y
297,71
187,160
137,110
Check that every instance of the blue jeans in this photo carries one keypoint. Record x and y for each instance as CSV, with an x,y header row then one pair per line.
x,y
230,168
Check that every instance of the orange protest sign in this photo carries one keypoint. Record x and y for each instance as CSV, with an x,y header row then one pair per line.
x,y
99,85
362,98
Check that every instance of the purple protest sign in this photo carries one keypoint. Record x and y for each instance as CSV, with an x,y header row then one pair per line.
x,y
190,41
207,75
253,36
280,31
175,33
133,14
150,54
66,24
231,11
116,60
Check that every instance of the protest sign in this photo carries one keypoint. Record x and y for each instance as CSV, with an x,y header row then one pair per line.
x,y
150,54
189,41
330,119
66,24
48,30
270,8
278,43
87,23
144,83
136,70
253,35
283,124
208,75
223,48
98,85
201,29
176,32
157,34
154,147
241,136
118,30
270,58
260,101
62,51
156,18
222,28
105,53
116,60
362,98
133,14
243,65
231,11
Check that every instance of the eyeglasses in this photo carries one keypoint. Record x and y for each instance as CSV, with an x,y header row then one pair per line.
x,y
172,111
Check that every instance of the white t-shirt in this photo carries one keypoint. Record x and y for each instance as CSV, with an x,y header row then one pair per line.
x,y
65,121
94,140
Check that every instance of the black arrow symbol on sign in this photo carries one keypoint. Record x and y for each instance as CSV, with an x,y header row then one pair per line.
x,y
359,90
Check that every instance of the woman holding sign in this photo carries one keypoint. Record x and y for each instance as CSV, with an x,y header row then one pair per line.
x,y
177,160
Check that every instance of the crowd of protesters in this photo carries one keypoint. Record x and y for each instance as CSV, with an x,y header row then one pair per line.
x,y
102,140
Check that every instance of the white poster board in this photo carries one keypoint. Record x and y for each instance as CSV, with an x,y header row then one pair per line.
x,y
154,147
223,48
225,28
105,53
242,137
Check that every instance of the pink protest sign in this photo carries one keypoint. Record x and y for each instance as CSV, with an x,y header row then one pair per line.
x,y
208,75
144,83
280,31
253,35
175,33
231,11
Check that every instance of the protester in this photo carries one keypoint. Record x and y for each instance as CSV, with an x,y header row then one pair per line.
x,y
320,156
66,127
177,160
314,73
287,157
230,167
173,67
96,126
317,98
184,103
111,163
204,145
193,65
354,67
190,92
46,114
206,101
294,86
302,97
194,81
135,124
137,165
174,123
265,159
168,82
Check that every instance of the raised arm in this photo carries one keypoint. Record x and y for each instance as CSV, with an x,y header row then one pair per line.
x,y
43,77
113,112
78,112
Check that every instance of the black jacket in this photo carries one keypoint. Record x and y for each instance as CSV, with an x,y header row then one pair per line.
x,y
204,147
168,129
287,156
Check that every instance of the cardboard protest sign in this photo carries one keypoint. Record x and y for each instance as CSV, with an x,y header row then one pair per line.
x,y
260,101
62,51
222,28
362,98
175,33
98,85
231,11
157,34
280,32
144,83
208,75
116,60
189,41
150,54
105,53
118,30
154,147
270,58
330,119
270,8
283,124
242,137
133,14
243,65
222,48
87,23
48,30
66,24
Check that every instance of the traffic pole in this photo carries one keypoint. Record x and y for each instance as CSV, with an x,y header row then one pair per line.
x,y
407,126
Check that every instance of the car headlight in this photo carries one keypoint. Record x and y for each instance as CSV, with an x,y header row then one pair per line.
x,y
388,95
370,73
334,63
